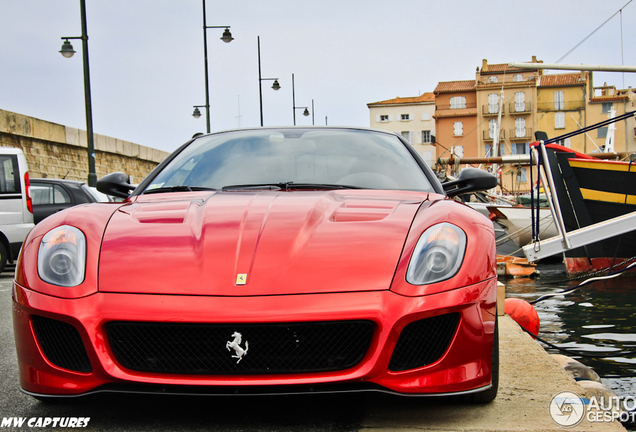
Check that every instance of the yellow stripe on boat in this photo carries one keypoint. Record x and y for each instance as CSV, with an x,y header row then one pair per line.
x,y
594,195
600,166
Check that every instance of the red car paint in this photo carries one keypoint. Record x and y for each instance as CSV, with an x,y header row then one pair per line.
x,y
307,255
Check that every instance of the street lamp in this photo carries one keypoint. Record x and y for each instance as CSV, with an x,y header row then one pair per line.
x,y
67,51
275,86
306,112
196,113
227,38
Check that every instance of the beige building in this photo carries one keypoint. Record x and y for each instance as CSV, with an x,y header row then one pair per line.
x,y
411,117
518,107
604,102
561,106
460,118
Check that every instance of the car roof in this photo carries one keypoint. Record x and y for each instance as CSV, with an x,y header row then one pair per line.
x,y
10,150
75,183
314,127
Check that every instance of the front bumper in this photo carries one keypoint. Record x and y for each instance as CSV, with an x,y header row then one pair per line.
x,y
464,366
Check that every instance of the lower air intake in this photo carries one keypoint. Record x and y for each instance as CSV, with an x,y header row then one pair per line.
x,y
61,344
423,342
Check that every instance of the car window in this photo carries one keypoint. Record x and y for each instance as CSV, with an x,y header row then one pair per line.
x,y
43,194
355,158
9,180
60,196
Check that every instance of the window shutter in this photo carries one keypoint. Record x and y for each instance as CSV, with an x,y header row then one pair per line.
x,y
493,103
520,101
377,119
520,127
390,117
492,128
559,100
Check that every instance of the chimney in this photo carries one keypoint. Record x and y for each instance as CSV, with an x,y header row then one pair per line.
x,y
484,65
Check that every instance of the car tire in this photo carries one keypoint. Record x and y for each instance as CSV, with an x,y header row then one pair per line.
x,y
4,256
489,395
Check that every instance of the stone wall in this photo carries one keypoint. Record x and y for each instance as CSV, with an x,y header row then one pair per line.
x,y
57,151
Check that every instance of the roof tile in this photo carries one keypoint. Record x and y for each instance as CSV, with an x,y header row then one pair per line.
x,y
425,97
561,80
455,86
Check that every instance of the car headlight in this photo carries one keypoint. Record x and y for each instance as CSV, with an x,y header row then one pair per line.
x,y
438,254
62,256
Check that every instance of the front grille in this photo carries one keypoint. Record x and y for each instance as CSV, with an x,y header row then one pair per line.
x,y
271,348
61,344
423,342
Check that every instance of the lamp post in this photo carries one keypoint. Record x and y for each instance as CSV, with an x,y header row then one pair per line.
x,y
227,38
275,86
67,51
306,112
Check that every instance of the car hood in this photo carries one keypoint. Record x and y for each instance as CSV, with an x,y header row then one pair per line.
x,y
247,243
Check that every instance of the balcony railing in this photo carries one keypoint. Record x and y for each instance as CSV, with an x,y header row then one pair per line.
x,y
521,134
488,136
520,108
492,110
455,107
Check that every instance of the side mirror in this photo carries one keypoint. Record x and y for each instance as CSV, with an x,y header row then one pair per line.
x,y
470,180
115,184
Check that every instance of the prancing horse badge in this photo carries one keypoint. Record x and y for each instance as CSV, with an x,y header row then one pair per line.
x,y
236,346
241,279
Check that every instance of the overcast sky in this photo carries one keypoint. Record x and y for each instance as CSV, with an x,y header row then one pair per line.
x,y
147,68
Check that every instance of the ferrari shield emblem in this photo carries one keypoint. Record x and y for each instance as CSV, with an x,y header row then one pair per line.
x,y
241,279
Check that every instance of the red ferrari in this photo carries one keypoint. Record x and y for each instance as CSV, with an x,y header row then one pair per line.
x,y
265,261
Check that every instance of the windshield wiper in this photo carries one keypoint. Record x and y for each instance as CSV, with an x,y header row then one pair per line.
x,y
268,186
178,188
290,186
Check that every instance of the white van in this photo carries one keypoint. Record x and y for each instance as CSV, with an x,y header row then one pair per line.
x,y
16,210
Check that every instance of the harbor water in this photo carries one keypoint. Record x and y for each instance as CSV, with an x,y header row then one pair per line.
x,y
596,324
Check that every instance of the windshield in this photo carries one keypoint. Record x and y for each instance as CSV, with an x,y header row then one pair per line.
x,y
336,157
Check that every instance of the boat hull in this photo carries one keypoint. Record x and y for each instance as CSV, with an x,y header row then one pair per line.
x,y
592,191
517,223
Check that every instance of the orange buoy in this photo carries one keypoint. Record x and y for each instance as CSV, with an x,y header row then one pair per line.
x,y
523,313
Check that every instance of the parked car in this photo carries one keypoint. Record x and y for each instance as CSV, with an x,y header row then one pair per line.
x,y
102,197
53,195
16,218
269,260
